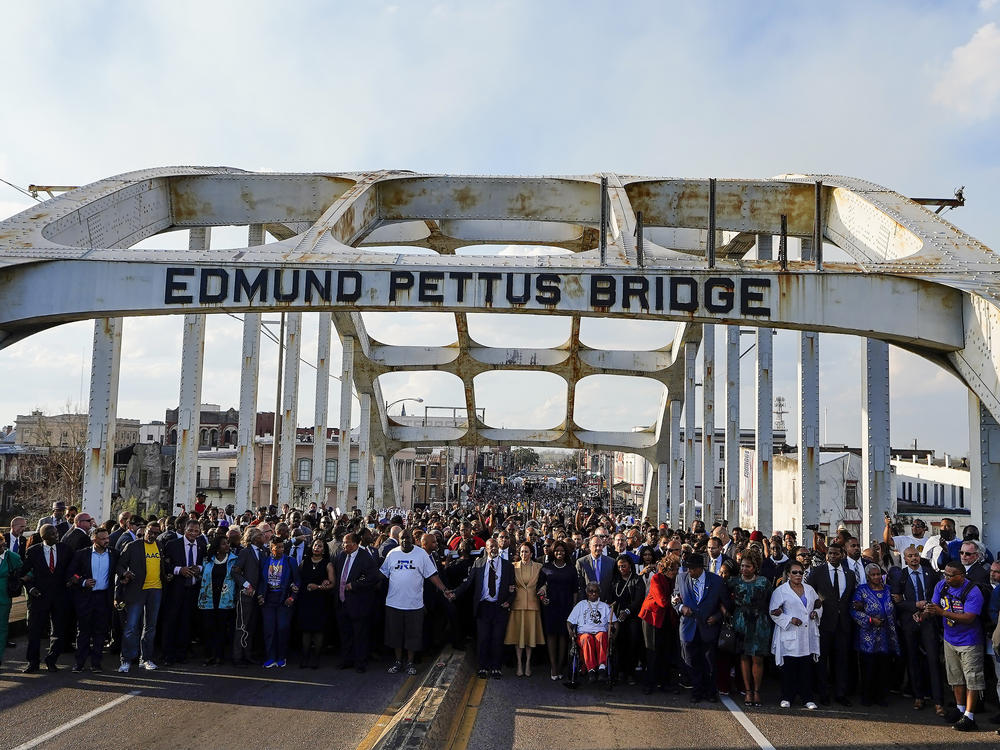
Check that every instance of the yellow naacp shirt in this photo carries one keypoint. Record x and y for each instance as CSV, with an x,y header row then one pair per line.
x,y
152,567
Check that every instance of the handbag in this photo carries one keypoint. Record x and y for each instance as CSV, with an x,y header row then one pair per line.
x,y
729,638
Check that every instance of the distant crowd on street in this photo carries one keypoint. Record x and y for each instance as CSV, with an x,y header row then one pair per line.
x,y
517,571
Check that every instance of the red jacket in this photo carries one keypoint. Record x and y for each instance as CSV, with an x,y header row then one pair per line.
x,y
657,608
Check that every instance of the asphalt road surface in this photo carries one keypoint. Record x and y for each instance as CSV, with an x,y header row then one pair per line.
x,y
191,706
523,713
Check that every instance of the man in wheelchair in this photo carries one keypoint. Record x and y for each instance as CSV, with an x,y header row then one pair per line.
x,y
591,626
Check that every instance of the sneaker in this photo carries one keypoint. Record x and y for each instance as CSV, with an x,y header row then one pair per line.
x,y
811,706
952,715
148,665
270,663
602,673
411,668
483,674
125,667
282,662
965,724
785,704
496,674
77,668
396,666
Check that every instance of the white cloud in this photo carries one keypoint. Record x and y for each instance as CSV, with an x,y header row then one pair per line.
x,y
971,84
985,5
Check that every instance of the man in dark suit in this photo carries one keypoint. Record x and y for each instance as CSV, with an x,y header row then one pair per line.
x,y
246,574
78,536
595,568
128,534
491,580
183,561
976,570
141,573
44,574
57,519
13,538
92,582
716,557
835,586
356,578
699,599
911,588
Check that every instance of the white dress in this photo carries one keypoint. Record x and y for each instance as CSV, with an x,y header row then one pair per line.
x,y
789,639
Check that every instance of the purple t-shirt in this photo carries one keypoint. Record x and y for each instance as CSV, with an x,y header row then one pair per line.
x,y
950,599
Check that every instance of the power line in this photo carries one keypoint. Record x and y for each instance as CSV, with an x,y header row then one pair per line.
x,y
20,190
267,332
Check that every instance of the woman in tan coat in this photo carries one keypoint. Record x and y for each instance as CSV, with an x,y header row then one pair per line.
x,y
524,629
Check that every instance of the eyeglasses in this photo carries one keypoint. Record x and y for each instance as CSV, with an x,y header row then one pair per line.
x,y
795,573
968,554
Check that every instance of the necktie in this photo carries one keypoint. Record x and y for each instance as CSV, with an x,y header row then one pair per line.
x,y
597,570
697,591
52,560
836,582
190,581
493,580
343,577
13,544
918,586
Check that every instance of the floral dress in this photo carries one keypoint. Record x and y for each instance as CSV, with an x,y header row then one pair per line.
x,y
750,618
875,639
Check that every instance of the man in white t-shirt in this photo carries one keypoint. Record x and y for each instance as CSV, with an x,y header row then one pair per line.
x,y
917,538
590,625
406,567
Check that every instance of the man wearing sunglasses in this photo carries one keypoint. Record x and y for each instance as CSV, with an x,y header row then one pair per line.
x,y
958,602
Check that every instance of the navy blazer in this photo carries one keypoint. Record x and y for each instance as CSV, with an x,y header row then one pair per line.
x,y
900,582
836,613
474,580
80,565
712,598
363,576
175,556
585,574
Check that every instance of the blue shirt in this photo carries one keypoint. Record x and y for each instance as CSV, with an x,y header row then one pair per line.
x,y
100,568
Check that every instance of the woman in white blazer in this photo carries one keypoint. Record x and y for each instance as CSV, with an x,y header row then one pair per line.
x,y
795,643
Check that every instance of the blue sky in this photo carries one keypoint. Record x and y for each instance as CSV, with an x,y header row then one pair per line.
x,y
906,94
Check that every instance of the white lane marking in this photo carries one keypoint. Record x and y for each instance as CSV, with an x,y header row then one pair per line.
x,y
748,725
78,720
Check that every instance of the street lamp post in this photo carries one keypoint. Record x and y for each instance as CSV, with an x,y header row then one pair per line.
x,y
399,401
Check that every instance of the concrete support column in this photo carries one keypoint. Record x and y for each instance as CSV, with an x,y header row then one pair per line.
x,y
289,408
102,418
378,486
364,450
661,475
984,470
876,468
674,474
732,489
764,439
189,406
344,452
808,432
690,474
708,505
322,409
249,372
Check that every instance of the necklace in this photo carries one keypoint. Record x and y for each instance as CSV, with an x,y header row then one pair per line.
x,y
620,591
558,565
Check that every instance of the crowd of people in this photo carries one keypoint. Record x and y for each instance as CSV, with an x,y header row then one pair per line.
x,y
713,611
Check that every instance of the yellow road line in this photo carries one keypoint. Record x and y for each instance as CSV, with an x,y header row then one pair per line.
x,y
393,708
461,728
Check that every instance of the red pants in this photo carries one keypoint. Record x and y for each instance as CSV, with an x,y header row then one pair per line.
x,y
594,649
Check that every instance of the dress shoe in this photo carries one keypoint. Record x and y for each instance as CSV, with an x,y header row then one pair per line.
x,y
30,669
952,715
77,668
51,666
844,701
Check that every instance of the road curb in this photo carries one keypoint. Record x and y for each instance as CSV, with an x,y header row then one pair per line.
x,y
425,719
